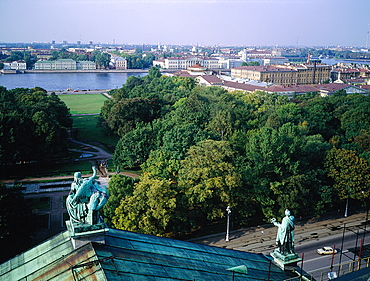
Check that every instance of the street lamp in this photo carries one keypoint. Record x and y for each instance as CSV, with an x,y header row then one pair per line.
x,y
228,210
346,211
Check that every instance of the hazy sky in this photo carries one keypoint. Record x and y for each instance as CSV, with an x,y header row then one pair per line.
x,y
203,22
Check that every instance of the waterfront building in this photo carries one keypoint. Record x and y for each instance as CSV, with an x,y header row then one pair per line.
x,y
285,74
186,62
86,65
65,64
118,62
15,65
62,64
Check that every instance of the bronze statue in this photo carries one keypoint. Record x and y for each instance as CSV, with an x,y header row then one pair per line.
x,y
85,199
285,234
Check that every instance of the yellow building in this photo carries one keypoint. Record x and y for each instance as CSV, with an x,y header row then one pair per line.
x,y
285,74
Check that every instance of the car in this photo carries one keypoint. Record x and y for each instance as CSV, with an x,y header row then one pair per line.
x,y
326,251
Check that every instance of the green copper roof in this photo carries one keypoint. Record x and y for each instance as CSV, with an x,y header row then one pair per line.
x,y
133,256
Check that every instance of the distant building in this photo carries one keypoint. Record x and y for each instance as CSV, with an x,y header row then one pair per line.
x,y
65,64
185,63
227,63
285,74
118,62
62,64
86,65
15,65
209,80
342,74
274,60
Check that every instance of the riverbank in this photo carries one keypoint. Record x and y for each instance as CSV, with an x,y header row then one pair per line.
x,y
96,71
89,71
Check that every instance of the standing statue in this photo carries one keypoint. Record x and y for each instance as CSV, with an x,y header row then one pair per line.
x,y
285,234
85,199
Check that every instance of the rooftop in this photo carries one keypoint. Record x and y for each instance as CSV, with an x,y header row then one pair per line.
x,y
135,256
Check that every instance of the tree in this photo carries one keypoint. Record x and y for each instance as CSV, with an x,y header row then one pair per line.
x,y
134,147
126,114
119,187
356,120
209,179
102,60
33,125
276,171
350,173
151,209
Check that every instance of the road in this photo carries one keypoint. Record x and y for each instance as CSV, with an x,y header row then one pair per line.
x,y
78,92
310,234
314,262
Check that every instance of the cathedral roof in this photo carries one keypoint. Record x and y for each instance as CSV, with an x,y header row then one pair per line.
x,y
133,256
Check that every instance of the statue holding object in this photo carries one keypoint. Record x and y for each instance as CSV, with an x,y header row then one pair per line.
x,y
85,199
285,234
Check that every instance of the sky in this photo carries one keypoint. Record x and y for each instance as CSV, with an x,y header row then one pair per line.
x,y
187,22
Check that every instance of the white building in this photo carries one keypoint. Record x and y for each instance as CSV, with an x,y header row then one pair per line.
x,y
274,60
160,63
227,63
118,62
15,65
185,63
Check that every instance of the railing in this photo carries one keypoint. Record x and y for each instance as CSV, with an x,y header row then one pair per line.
x,y
338,270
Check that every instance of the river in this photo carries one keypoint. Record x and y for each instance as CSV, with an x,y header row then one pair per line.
x,y
335,61
62,81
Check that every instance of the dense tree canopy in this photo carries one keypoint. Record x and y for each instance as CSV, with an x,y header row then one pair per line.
x,y
203,148
32,125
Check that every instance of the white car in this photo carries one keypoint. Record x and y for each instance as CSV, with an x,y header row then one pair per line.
x,y
326,251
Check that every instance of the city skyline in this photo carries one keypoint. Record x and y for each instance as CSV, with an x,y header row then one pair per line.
x,y
188,22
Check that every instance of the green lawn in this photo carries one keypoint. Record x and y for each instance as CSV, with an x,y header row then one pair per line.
x,y
83,104
87,125
88,130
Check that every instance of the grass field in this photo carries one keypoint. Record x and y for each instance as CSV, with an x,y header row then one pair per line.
x,y
87,126
88,130
83,104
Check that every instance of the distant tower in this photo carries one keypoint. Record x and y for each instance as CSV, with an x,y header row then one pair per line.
x,y
159,46
308,58
194,50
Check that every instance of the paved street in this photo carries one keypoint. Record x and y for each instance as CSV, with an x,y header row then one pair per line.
x,y
261,239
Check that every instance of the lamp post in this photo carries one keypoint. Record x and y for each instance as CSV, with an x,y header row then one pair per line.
x,y
228,210
346,211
